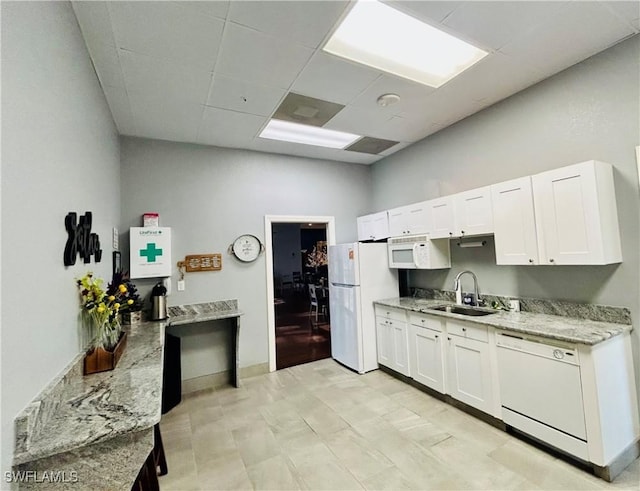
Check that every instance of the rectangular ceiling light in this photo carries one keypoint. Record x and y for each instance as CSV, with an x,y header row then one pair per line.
x,y
306,134
382,37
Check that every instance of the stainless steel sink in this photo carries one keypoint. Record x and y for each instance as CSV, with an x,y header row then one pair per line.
x,y
459,309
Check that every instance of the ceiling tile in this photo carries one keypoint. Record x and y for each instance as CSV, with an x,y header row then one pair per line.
x,y
160,78
165,119
228,128
493,78
333,79
168,30
95,22
491,25
361,121
217,8
107,65
411,93
440,109
357,158
377,123
629,11
409,127
243,96
305,22
581,28
261,58
120,110
428,11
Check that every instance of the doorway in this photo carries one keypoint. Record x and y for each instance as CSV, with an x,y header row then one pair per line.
x,y
297,289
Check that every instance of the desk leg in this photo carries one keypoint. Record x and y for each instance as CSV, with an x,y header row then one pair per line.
x,y
235,369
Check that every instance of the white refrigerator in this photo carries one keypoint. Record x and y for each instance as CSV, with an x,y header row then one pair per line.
x,y
358,274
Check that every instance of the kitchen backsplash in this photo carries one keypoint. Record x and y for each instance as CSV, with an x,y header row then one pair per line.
x,y
604,313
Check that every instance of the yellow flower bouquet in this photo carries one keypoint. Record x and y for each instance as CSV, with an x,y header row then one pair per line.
x,y
100,309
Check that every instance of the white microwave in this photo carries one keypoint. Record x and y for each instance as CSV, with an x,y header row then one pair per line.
x,y
418,252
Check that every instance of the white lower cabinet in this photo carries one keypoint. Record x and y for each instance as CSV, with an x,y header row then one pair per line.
x,y
594,399
469,373
426,351
393,339
454,358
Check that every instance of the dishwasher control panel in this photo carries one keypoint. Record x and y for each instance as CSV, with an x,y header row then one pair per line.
x,y
555,350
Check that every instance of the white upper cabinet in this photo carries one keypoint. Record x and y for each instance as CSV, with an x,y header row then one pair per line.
x,y
473,213
408,220
439,217
576,215
514,222
373,227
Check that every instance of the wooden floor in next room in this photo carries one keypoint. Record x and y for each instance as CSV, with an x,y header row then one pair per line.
x,y
299,337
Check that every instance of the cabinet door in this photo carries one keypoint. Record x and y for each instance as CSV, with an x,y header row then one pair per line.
x,y
384,342
400,335
469,372
365,228
576,215
514,222
473,213
397,222
439,217
425,357
380,225
416,218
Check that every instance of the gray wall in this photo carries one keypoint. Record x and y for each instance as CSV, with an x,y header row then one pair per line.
x,y
210,195
60,153
590,111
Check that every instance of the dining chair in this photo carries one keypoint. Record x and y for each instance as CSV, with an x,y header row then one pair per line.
x,y
298,282
313,301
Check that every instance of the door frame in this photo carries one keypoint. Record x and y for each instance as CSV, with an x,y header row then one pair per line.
x,y
269,220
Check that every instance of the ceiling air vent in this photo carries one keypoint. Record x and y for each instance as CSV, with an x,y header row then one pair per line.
x,y
374,146
306,110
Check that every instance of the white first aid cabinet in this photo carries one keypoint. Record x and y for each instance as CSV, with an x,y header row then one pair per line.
x,y
150,252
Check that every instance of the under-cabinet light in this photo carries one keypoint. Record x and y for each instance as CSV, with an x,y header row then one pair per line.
x,y
382,37
306,134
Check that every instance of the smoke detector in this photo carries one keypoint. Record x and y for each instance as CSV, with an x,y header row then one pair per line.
x,y
387,99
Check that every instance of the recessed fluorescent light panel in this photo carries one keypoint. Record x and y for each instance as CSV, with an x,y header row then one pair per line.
x,y
308,135
382,37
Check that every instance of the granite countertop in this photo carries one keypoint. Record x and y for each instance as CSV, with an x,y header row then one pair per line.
x,y
91,409
102,406
549,326
202,312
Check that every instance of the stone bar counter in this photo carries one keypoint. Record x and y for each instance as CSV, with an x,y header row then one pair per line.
x,y
96,431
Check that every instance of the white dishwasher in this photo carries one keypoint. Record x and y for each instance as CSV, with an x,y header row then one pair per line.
x,y
541,391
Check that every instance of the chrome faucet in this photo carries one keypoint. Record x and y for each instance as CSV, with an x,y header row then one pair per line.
x,y
457,286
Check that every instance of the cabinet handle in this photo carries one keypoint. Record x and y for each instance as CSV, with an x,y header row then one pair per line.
x,y
448,338
464,329
552,260
436,336
531,261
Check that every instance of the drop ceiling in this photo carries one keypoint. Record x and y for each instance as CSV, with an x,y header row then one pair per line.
x,y
214,73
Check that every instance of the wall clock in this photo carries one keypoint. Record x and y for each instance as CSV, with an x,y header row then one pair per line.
x,y
247,248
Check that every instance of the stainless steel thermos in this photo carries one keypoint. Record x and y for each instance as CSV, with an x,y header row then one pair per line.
x,y
159,302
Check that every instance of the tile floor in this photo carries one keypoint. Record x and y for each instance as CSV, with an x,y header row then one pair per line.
x,y
321,426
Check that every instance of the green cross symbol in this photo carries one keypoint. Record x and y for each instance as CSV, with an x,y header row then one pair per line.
x,y
151,252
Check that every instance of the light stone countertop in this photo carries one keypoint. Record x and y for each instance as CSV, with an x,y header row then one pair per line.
x,y
544,325
101,406
78,411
